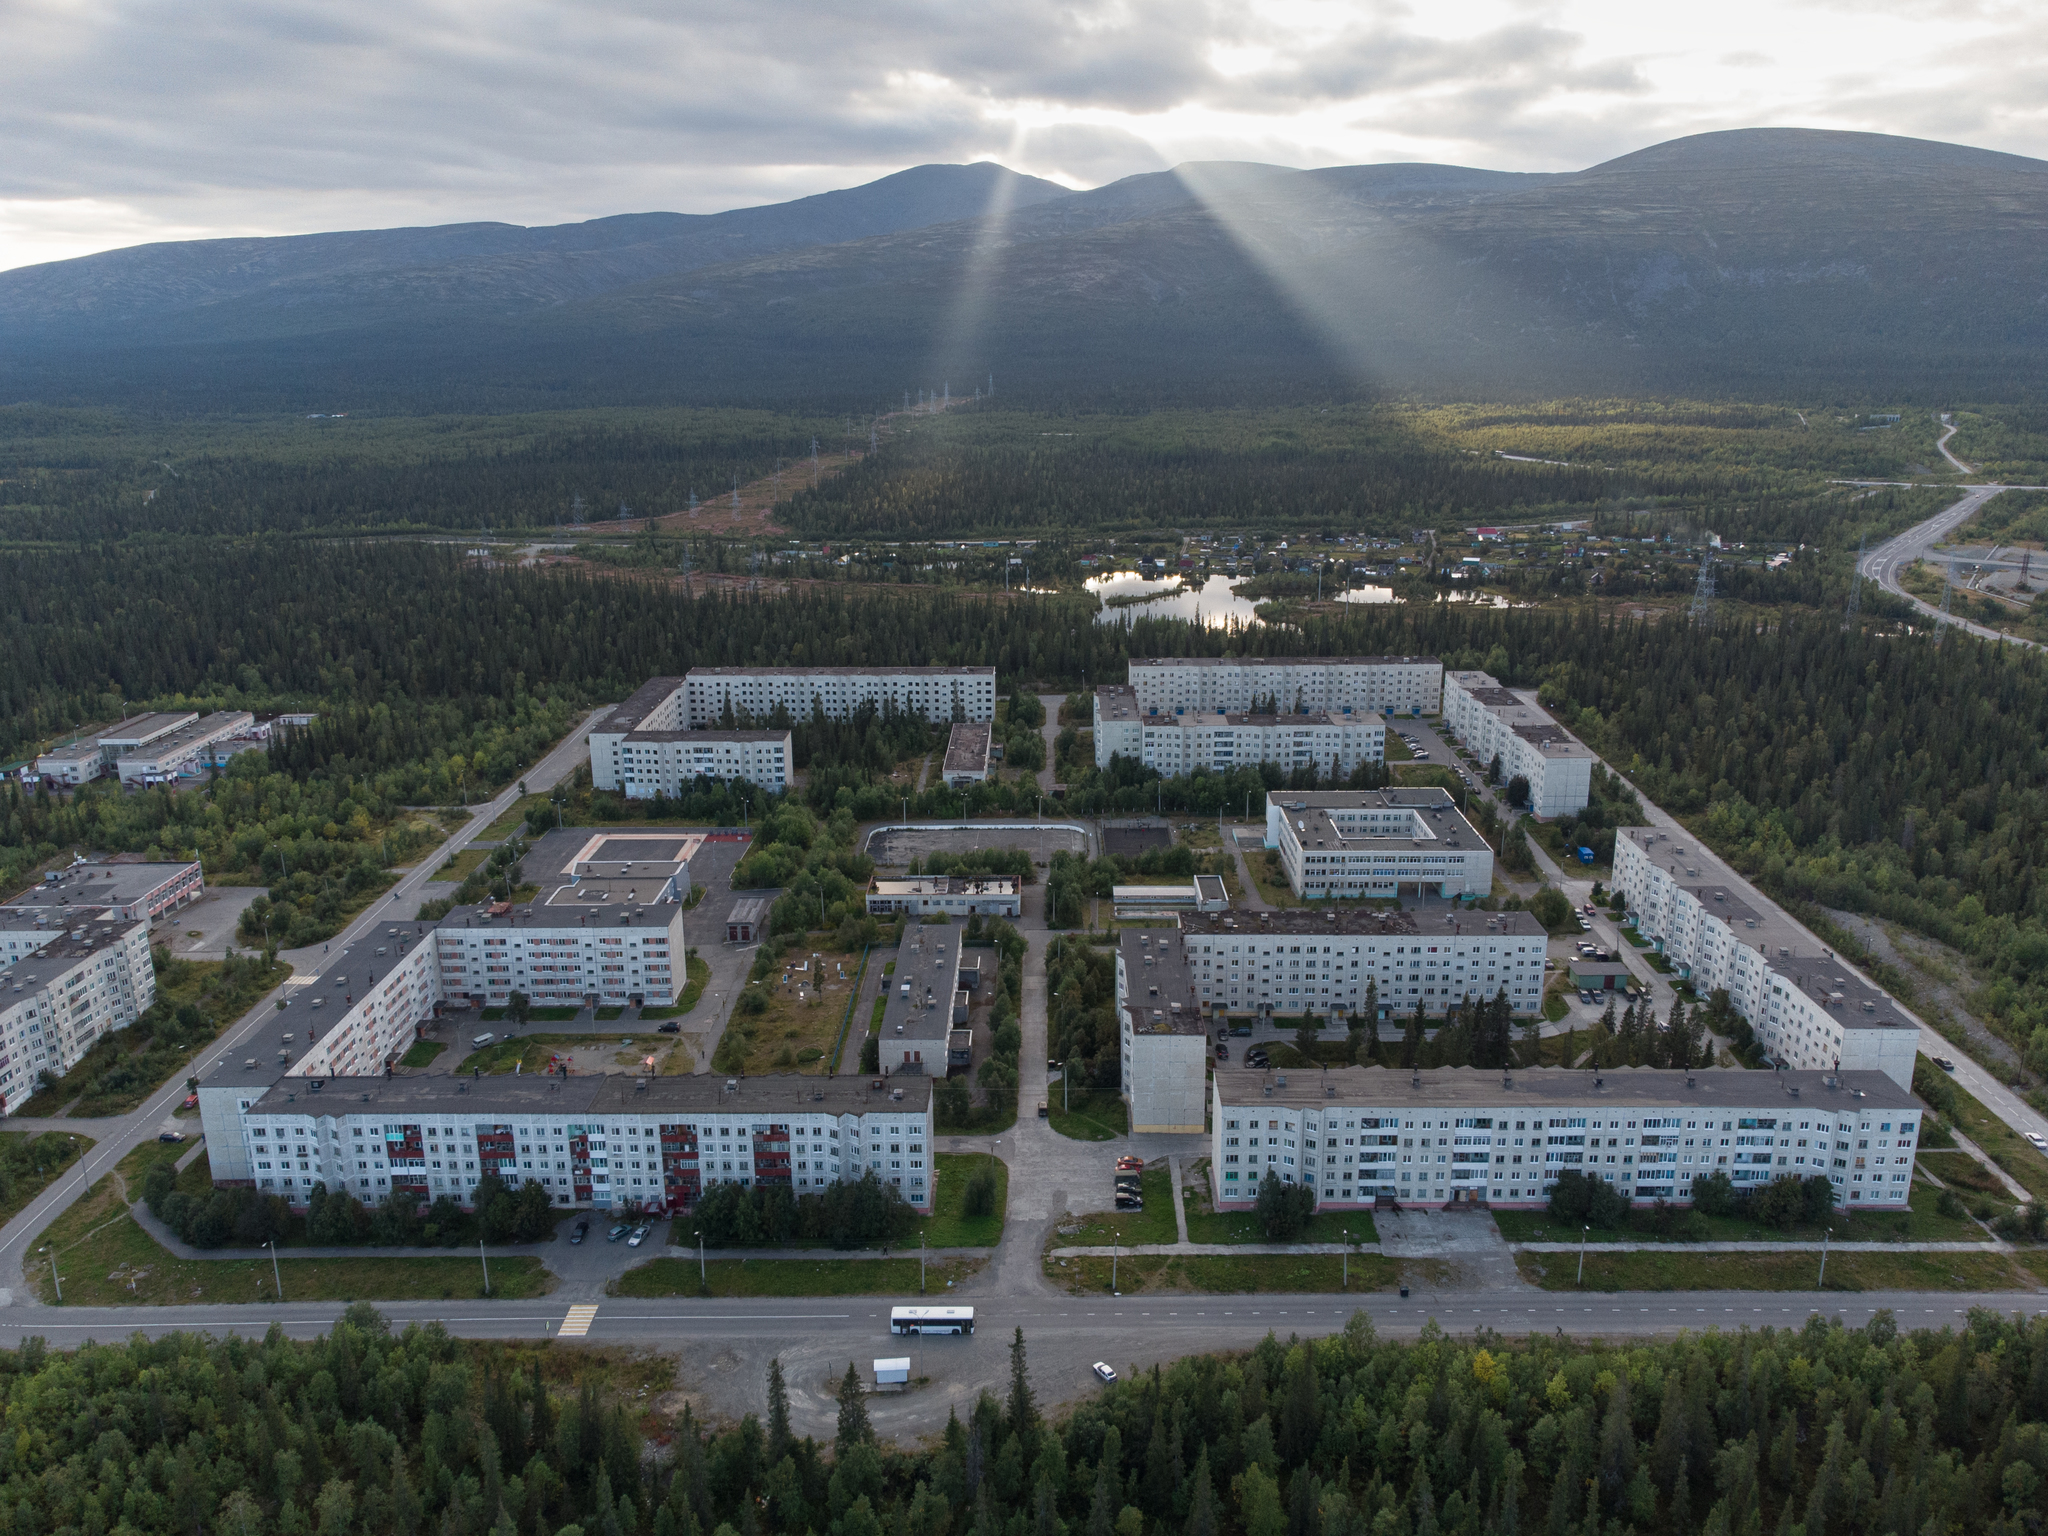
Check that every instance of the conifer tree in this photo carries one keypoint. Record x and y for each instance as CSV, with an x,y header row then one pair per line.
x,y
779,1437
854,1428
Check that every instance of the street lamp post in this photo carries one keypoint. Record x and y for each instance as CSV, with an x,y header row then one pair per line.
x,y
1345,1233
1115,1251
482,1259
276,1274
1583,1232
920,1263
55,1279
1822,1283
701,1277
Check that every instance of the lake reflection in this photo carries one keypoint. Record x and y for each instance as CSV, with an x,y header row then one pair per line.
x,y
1212,604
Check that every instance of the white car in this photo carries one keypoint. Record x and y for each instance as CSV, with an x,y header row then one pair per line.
x,y
639,1236
2038,1140
1106,1371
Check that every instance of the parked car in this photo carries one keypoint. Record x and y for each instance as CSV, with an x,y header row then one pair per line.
x,y
478,1042
170,1136
1257,1058
617,1232
639,1236
1104,1370
582,1230
1588,999
191,1101
1129,1164
1222,1051
1130,1202
2040,1142
1550,965
668,1029
1944,1063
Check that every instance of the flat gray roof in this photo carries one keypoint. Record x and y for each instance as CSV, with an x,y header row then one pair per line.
x,y
967,747
988,672
535,1093
928,961
1622,1088
108,884
63,948
710,733
1357,920
639,704
1159,988
1281,661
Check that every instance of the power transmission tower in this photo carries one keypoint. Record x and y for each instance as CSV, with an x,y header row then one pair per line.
x,y
1703,592
1856,579
576,509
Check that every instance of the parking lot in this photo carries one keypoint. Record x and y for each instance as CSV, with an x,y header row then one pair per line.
x,y
205,929
897,846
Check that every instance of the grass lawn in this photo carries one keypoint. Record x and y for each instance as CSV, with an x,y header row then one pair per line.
x,y
458,867
948,1226
2001,1143
422,1053
58,1152
1555,1006
1965,1175
1154,1224
1398,750
1920,1223
699,972
1679,1271
1547,837
135,1166
1089,1115
1241,1227
107,1260
532,1051
1239,1274
791,1277
805,1009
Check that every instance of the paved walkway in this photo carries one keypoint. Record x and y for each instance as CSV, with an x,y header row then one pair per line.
x,y
1989,1245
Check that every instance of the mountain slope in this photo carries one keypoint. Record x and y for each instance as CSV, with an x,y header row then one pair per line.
x,y
1764,261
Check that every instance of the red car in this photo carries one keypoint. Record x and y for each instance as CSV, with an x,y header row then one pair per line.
x,y
191,1101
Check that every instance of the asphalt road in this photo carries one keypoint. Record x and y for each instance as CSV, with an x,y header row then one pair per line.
x,y
116,1137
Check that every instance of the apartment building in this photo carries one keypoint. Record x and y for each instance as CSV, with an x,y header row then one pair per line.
x,y
1807,1009
937,693
1377,842
954,896
64,984
1459,1135
1340,685
1179,743
1162,1038
1493,721
643,748
123,886
605,1142
1331,962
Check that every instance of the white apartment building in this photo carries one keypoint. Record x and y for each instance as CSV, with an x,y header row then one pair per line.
x,y
1376,842
1806,1008
937,693
1458,1135
601,1141
1331,962
1493,721
642,749
952,895
63,985
1179,743
1163,1040
1339,685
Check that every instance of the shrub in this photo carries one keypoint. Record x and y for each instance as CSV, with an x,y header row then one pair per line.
x,y
1584,1201
1283,1210
980,1196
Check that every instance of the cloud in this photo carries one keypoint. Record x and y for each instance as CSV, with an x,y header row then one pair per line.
x,y
132,119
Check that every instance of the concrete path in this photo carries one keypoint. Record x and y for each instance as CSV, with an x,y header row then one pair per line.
x,y
1989,1245
1180,1204
2012,1185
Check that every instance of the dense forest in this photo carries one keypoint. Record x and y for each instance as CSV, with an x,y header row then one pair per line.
x,y
72,474
1826,1429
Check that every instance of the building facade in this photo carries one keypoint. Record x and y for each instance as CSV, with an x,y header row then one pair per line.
x,y
64,985
1179,743
938,694
654,1143
952,895
1377,842
1806,1008
643,748
1458,1135
967,753
182,751
1341,962
1340,685
1163,1040
1491,721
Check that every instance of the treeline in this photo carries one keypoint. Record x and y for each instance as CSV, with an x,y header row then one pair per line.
x,y
66,475
1862,1431
1081,1026
849,1214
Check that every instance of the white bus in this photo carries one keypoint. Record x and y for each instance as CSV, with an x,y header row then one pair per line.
x,y
931,1319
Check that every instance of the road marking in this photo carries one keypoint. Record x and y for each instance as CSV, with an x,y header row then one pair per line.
x,y
578,1322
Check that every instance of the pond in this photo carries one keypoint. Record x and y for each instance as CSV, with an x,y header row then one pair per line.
x,y
1212,605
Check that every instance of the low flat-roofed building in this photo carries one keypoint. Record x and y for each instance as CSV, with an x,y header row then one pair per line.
x,y
1807,1008
65,983
917,1020
124,885
1461,1135
1162,1037
90,753
167,755
951,895
601,1141
1377,843
967,754
1341,961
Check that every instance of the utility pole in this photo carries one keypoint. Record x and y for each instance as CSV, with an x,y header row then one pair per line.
x,y
1345,1233
1115,1252
1584,1232
55,1278
920,1263
1822,1283
701,1277
481,1259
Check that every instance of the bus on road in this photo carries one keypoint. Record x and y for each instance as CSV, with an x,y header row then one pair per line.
x,y
931,1319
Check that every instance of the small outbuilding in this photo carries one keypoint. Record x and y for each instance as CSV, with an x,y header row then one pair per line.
x,y
747,921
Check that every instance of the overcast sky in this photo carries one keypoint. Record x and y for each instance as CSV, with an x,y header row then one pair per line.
x,y
134,120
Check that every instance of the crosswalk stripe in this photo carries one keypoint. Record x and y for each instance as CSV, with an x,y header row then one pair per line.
x,y
578,1322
